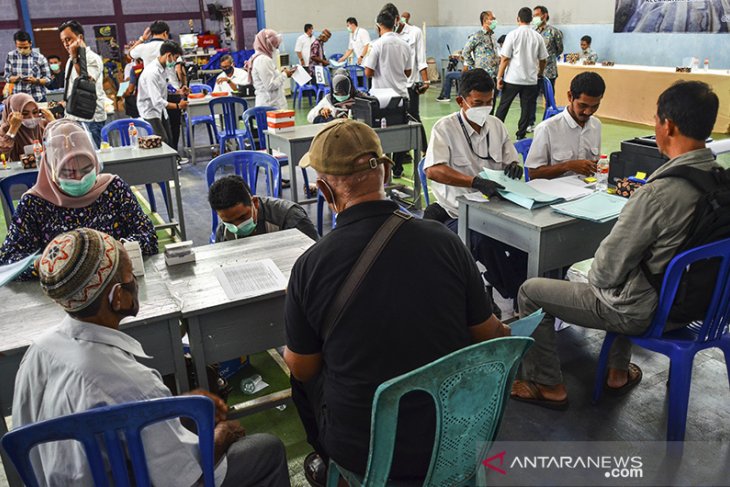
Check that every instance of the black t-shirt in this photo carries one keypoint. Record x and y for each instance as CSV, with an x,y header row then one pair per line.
x,y
415,305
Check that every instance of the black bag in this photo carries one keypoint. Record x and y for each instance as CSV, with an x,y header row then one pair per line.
x,y
82,100
710,223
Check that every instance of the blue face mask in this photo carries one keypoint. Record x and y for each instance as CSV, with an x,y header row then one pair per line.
x,y
76,188
243,230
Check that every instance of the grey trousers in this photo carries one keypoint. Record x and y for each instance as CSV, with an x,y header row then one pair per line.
x,y
573,302
257,460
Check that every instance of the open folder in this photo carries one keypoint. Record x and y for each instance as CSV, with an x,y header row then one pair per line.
x,y
519,192
598,207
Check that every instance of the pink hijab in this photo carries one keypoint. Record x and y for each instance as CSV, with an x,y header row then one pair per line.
x,y
25,136
71,147
265,43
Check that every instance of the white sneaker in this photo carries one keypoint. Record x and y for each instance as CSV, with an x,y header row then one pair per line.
x,y
530,128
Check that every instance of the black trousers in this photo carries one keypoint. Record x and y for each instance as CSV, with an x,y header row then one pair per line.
x,y
161,127
528,98
415,112
308,397
175,121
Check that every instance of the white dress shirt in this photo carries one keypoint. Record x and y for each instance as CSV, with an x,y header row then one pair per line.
x,y
95,70
413,36
239,77
525,48
304,45
560,139
268,83
152,91
389,56
358,40
78,366
448,146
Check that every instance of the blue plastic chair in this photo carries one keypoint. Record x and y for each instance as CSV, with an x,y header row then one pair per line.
x,y
324,89
523,148
245,164
129,419
258,115
308,89
206,120
230,106
121,126
27,179
551,109
336,56
682,344
424,181
321,202
357,75
470,388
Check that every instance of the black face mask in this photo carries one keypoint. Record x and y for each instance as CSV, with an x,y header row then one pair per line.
x,y
228,71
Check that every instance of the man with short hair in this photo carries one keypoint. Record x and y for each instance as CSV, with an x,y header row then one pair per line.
x,y
148,45
462,144
570,142
242,215
317,57
359,41
231,77
74,40
619,296
27,69
152,92
586,53
554,44
303,46
57,79
406,18
335,373
525,54
86,362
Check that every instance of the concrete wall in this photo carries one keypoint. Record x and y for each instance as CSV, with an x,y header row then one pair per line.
x,y
45,9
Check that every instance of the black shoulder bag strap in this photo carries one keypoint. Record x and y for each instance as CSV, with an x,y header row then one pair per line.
x,y
353,280
83,73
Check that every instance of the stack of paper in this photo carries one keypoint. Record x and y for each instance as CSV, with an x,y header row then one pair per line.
x,y
598,207
519,192
560,188
11,271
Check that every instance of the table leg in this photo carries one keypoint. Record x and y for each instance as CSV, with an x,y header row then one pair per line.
x,y
197,351
10,473
191,140
533,260
464,223
178,196
181,372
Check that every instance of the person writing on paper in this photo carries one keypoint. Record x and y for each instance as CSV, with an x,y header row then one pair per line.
x,y
338,102
242,215
619,296
570,142
267,80
71,192
86,361
462,144
231,77
376,338
359,42
22,124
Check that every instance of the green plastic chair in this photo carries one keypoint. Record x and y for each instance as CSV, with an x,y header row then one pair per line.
x,y
470,388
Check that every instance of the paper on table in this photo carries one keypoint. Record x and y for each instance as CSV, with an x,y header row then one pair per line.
x,y
300,76
526,326
478,196
11,271
599,206
518,191
559,189
122,88
250,279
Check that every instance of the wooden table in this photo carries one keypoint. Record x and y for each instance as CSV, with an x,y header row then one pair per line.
x,y
27,313
632,91
395,138
551,240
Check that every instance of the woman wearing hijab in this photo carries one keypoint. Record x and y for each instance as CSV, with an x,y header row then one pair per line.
x,y
71,193
268,82
338,102
22,123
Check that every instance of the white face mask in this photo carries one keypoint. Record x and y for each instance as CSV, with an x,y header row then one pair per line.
x,y
31,123
478,115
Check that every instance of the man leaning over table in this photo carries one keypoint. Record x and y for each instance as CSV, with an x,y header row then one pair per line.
x,y
570,142
462,144
618,297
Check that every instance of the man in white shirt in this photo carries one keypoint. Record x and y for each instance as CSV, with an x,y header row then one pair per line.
x,y
359,41
304,44
87,362
570,143
152,100
462,144
148,45
231,77
525,54
72,38
388,63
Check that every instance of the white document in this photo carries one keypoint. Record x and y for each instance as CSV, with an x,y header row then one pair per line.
x,y
478,196
250,279
336,64
559,189
319,75
300,76
11,271
384,95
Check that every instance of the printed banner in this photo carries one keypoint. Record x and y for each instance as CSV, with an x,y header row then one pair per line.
x,y
710,16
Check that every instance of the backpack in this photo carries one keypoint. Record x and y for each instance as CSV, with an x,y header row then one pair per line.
x,y
710,223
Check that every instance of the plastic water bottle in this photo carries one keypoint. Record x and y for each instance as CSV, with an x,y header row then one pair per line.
x,y
602,173
37,150
133,138
707,64
383,123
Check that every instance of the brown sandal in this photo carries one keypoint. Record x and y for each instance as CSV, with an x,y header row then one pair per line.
x,y
538,399
630,384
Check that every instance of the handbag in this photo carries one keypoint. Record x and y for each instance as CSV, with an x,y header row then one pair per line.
x,y
81,102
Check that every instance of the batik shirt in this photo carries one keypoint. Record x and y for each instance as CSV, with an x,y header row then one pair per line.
x,y
481,51
554,44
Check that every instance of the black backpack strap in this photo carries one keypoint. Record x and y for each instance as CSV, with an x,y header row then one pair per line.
x,y
703,181
83,73
353,280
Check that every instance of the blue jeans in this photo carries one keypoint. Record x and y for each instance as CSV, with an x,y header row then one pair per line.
x,y
95,130
446,88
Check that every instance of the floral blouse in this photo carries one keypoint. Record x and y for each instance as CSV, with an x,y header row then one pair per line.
x,y
36,221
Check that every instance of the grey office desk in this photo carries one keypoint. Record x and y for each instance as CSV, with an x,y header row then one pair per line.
x,y
220,328
27,313
551,240
296,143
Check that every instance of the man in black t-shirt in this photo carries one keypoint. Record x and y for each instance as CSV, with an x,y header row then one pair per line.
x,y
442,309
